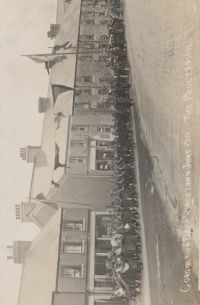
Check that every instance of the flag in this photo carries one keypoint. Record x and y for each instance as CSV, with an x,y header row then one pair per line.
x,y
40,196
47,67
45,58
67,45
58,89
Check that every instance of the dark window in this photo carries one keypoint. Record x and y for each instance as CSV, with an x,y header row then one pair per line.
x,y
87,79
104,154
102,91
104,165
103,226
104,21
103,37
102,246
100,265
103,282
100,13
103,45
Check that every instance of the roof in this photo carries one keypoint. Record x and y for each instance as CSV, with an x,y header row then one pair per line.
x,y
38,279
62,73
42,213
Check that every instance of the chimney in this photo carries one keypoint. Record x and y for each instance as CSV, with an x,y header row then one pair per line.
x,y
20,249
17,211
23,210
43,104
54,29
29,153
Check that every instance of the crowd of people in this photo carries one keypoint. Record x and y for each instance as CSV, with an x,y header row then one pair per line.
x,y
124,260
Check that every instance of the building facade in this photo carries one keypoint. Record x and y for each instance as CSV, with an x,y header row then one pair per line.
x,y
74,244
82,277
74,211
92,125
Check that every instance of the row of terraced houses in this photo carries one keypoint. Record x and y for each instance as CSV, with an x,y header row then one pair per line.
x,y
70,193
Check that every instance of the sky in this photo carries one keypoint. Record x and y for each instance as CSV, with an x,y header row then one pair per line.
x,y
24,25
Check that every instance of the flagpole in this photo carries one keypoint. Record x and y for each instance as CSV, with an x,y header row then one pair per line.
x,y
69,53
68,202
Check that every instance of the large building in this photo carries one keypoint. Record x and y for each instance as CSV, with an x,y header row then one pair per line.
x,y
70,194
65,264
75,159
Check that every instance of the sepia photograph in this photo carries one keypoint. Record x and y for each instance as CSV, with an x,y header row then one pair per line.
x,y
100,152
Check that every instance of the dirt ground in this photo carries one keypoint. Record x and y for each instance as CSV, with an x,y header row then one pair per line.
x,y
164,51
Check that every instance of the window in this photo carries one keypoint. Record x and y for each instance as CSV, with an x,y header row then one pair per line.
x,y
104,80
85,105
104,165
103,58
93,105
103,282
83,128
82,105
77,160
100,6
87,21
103,45
103,37
104,154
87,58
102,246
87,37
102,91
72,271
87,79
79,128
87,13
80,160
74,225
77,247
104,136
103,226
87,91
86,45
106,144
100,265
107,129
87,4
104,128
104,21
99,13
76,143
